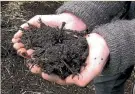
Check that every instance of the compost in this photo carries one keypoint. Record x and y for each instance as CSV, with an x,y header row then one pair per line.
x,y
57,51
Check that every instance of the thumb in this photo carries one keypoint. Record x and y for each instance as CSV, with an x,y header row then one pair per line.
x,y
72,22
88,38
56,20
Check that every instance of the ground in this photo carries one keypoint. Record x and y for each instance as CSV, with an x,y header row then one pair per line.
x,y
15,77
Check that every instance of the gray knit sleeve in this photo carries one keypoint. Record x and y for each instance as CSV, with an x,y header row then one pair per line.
x,y
91,12
132,10
120,38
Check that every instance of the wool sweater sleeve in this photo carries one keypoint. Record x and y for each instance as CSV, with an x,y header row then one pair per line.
x,y
91,12
120,38
132,10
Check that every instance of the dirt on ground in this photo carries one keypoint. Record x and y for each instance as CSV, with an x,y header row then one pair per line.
x,y
15,76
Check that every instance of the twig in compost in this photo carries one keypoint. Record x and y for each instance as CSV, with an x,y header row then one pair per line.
x,y
63,24
22,29
74,73
60,35
66,65
40,22
30,26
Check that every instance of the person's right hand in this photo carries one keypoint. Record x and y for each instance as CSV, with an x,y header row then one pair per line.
x,y
72,23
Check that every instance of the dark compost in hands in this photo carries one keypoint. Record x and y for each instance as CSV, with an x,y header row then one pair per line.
x,y
57,51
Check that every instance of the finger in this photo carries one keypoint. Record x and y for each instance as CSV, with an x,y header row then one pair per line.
x,y
25,26
18,34
35,21
77,79
30,52
32,22
69,80
17,46
23,52
82,68
28,26
73,22
34,68
15,40
37,70
51,20
53,78
38,20
83,78
88,38
87,60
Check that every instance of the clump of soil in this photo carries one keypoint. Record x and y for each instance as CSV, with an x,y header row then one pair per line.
x,y
57,51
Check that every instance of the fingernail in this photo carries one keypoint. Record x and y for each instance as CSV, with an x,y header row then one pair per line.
x,y
19,41
22,29
24,54
19,52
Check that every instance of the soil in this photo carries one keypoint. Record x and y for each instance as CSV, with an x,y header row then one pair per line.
x,y
15,77
58,51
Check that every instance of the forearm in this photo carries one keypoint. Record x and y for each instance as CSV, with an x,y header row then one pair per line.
x,y
93,13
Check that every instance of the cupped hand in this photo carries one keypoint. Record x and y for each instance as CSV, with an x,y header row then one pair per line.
x,y
97,49
72,23
88,72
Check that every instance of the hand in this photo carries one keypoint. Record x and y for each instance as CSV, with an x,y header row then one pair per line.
x,y
95,62
72,22
97,49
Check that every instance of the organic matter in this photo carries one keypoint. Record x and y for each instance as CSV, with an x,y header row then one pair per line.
x,y
57,51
